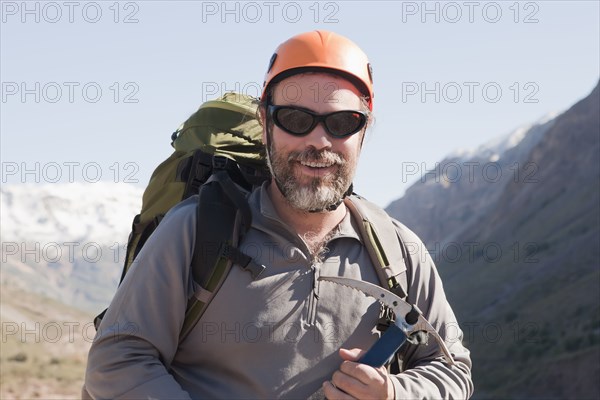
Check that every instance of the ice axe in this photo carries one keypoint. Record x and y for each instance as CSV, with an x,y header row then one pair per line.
x,y
409,321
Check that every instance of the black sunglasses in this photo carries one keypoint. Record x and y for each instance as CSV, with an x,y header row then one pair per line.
x,y
300,121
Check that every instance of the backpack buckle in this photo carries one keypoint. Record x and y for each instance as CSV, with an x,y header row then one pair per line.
x,y
386,318
219,162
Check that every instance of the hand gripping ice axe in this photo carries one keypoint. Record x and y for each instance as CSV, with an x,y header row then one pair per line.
x,y
409,320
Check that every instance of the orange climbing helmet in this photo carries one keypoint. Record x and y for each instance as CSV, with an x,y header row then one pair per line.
x,y
321,50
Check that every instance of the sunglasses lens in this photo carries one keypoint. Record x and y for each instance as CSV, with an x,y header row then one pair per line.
x,y
344,123
300,122
294,121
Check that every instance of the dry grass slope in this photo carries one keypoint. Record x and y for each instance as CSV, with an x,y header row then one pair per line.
x,y
43,348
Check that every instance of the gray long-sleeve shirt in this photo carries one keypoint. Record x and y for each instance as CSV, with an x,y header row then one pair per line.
x,y
273,337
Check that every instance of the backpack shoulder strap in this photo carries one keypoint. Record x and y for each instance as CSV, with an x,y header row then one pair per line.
x,y
388,253
223,216
385,247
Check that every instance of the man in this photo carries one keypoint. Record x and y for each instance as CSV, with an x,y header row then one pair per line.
x,y
286,334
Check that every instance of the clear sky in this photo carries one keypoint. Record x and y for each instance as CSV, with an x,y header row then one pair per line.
x,y
93,90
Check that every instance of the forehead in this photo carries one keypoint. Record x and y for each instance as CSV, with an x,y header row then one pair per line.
x,y
317,90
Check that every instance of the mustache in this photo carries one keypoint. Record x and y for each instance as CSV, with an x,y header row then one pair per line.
x,y
318,156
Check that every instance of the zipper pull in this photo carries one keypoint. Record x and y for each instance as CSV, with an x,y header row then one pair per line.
x,y
314,281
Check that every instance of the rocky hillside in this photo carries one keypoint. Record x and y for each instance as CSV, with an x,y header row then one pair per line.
x,y
520,262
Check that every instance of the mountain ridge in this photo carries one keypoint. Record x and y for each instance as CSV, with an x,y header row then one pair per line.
x,y
525,284
459,180
67,241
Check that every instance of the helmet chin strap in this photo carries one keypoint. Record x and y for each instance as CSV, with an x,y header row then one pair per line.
x,y
334,206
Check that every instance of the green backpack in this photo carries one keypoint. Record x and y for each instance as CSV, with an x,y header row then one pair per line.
x,y
219,155
226,128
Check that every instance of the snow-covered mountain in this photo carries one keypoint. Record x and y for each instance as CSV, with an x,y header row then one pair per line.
x,y
67,241
83,212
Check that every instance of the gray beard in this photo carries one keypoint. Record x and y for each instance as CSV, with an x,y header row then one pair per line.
x,y
321,192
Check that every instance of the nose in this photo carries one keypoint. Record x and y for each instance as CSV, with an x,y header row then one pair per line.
x,y
318,138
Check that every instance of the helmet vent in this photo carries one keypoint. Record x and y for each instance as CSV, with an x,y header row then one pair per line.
x,y
271,62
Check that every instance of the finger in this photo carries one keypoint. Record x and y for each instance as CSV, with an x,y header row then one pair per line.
x,y
351,354
373,384
363,373
332,392
348,384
